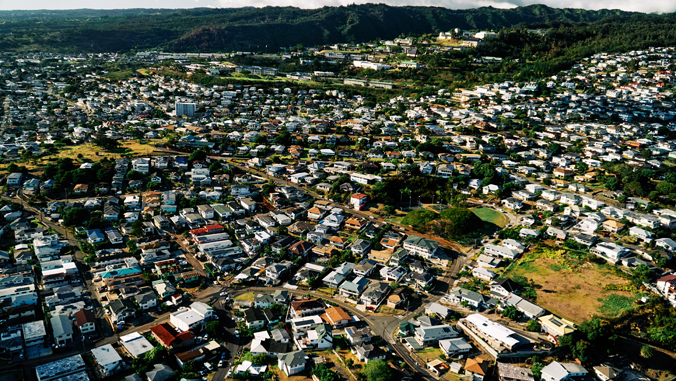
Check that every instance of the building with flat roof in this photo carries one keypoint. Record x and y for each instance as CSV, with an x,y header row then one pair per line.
x,y
34,333
135,344
496,335
187,319
59,369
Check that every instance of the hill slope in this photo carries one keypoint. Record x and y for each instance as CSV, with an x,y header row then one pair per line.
x,y
253,28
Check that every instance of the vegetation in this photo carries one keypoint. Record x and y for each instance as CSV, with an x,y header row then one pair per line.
x,y
377,371
450,223
246,28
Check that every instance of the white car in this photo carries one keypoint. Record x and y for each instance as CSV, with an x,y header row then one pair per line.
x,y
216,283
220,364
224,293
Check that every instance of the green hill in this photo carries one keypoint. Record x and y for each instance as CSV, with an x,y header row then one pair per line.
x,y
253,28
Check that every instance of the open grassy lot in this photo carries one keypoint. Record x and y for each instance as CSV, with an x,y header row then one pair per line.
x,y
429,353
491,216
91,152
245,296
571,286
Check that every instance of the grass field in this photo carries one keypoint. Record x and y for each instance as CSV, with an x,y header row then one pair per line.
x,y
429,353
570,286
492,216
90,152
245,296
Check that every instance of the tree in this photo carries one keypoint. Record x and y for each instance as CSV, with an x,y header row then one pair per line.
x,y
268,187
581,167
261,359
106,142
612,183
634,188
377,370
213,329
533,326
324,373
510,312
197,155
157,354
75,216
646,351
137,228
537,366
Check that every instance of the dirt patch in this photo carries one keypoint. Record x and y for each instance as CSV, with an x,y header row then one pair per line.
x,y
573,289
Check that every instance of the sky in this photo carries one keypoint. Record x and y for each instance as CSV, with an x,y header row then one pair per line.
x,y
660,6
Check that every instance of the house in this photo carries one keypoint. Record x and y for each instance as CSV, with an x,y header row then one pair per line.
x,y
477,368
187,319
431,335
398,297
512,203
336,316
160,372
338,275
556,327
291,363
167,336
423,247
62,329
368,352
607,372
135,344
197,355
375,293
85,321
320,337
121,310
437,367
306,307
358,201
667,244
358,335
504,287
530,310
454,347
472,298
438,310
353,288
146,300
360,247
108,360
610,251
557,371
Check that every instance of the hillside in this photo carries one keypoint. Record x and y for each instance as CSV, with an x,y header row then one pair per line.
x,y
254,28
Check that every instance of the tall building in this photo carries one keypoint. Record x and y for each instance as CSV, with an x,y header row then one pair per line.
x,y
185,108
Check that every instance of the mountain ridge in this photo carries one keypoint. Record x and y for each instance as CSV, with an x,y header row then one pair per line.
x,y
228,29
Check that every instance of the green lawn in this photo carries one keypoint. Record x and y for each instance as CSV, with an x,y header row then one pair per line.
x,y
245,296
429,353
492,216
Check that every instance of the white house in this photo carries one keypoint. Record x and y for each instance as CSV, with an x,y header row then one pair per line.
x,y
291,363
108,359
557,371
